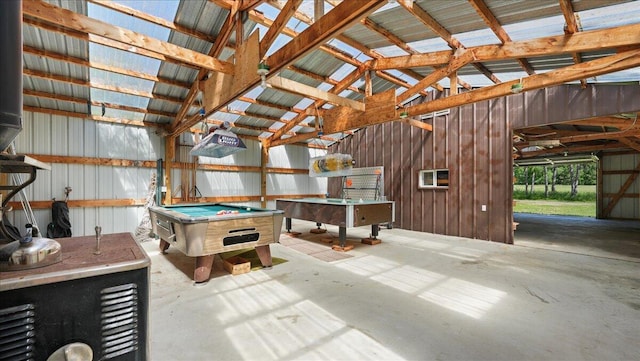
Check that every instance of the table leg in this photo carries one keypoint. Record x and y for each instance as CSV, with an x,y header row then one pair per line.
x,y
318,229
203,268
375,228
342,235
287,224
164,246
264,253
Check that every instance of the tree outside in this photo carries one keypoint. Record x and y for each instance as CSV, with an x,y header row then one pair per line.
x,y
568,189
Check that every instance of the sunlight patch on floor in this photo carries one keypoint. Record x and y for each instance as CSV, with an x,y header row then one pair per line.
x,y
303,330
468,298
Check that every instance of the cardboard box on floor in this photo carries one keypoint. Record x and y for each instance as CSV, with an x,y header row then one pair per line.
x,y
237,265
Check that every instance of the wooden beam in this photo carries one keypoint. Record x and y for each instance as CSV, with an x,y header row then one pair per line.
x,y
327,27
595,40
96,65
264,159
417,124
571,149
304,90
336,21
485,13
630,142
215,51
154,19
278,25
71,20
609,64
329,50
89,116
82,82
437,28
572,27
393,39
344,83
457,62
84,101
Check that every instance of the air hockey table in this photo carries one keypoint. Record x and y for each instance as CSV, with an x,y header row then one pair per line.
x,y
344,213
203,230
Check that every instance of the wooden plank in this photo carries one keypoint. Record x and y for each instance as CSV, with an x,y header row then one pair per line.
x,y
86,203
154,19
456,63
71,20
327,27
622,36
343,84
621,61
246,63
417,124
281,83
339,119
88,116
278,25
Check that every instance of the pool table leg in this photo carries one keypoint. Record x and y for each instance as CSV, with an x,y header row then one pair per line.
x,y
264,253
203,268
164,246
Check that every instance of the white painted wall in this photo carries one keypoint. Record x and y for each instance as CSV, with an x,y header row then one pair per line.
x,y
64,136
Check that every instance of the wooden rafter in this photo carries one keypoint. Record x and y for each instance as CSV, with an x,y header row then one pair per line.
x,y
437,28
215,51
456,63
294,87
330,50
594,40
490,19
71,20
278,25
572,28
621,61
348,80
154,19
333,23
97,118
96,65
572,149
66,98
114,88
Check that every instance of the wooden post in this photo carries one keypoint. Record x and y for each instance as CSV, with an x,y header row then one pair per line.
x,y
453,83
264,159
169,155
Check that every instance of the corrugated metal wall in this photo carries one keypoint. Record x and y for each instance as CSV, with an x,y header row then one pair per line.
x,y
571,102
473,142
46,134
616,170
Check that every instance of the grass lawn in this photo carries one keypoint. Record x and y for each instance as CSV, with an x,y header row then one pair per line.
x,y
540,205
584,209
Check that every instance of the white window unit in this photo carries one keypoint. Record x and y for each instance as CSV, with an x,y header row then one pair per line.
x,y
433,178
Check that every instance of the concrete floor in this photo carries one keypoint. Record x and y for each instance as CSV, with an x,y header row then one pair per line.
x,y
416,296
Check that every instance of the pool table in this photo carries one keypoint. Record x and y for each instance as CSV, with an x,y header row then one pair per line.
x,y
344,213
202,230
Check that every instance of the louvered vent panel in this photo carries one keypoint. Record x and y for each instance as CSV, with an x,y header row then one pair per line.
x,y
119,320
17,332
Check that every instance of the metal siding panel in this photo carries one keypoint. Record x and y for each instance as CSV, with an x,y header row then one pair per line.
x,y
467,169
406,193
483,169
453,162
